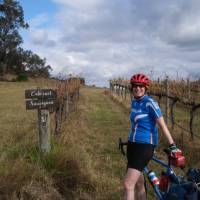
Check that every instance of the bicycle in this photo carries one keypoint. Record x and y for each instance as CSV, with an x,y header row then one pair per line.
x,y
171,186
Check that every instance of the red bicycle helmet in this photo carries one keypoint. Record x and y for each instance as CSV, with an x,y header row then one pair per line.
x,y
140,78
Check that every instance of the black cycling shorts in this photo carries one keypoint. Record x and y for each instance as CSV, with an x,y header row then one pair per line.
x,y
139,154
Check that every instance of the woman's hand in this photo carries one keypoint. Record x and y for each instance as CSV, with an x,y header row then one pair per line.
x,y
174,151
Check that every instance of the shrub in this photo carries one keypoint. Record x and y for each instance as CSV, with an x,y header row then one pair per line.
x,y
22,77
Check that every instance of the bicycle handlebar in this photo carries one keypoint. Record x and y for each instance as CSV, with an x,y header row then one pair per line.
x,y
121,146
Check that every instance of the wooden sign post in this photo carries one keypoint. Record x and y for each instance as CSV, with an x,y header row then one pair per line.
x,y
42,100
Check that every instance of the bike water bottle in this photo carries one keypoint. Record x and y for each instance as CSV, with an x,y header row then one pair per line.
x,y
153,178
164,181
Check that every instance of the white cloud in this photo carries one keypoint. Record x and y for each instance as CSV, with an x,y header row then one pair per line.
x,y
102,39
79,3
39,36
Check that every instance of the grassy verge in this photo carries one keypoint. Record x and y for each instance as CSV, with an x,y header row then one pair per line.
x,y
98,126
84,163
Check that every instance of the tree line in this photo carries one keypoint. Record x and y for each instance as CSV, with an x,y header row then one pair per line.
x,y
13,58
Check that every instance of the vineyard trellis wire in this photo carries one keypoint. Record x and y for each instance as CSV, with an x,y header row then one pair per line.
x,y
68,95
182,92
66,102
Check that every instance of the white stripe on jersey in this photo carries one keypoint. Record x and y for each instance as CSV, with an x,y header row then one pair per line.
x,y
140,116
151,105
135,132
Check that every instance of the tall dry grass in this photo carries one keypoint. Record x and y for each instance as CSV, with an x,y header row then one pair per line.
x,y
84,162
25,173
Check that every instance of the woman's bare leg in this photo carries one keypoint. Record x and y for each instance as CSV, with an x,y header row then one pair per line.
x,y
130,181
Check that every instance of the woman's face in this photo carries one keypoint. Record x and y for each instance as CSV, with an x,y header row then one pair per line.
x,y
138,90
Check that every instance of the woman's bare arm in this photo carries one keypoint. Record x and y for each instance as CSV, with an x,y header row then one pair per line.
x,y
161,122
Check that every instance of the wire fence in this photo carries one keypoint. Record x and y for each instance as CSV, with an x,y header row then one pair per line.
x,y
66,102
180,101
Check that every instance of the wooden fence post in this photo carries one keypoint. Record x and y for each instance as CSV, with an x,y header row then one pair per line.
x,y
189,90
167,99
172,113
67,104
43,100
58,118
78,93
118,89
194,108
125,92
131,96
65,107
44,130
121,90
111,87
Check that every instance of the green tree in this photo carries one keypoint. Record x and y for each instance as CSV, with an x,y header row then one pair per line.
x,y
34,65
13,58
11,19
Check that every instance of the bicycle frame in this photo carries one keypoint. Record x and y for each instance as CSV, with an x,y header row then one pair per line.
x,y
169,171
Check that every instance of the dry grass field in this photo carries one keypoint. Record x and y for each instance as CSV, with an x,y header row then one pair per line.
x,y
84,162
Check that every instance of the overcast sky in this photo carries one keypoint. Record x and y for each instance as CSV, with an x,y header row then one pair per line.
x,y
105,39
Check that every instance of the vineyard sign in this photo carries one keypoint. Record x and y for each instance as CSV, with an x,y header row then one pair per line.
x,y
40,98
40,93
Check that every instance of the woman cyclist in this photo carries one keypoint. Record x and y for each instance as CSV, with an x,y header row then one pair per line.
x,y
143,136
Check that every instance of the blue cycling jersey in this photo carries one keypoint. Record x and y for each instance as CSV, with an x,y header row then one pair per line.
x,y
144,112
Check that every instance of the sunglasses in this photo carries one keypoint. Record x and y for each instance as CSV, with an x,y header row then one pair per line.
x,y
137,85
